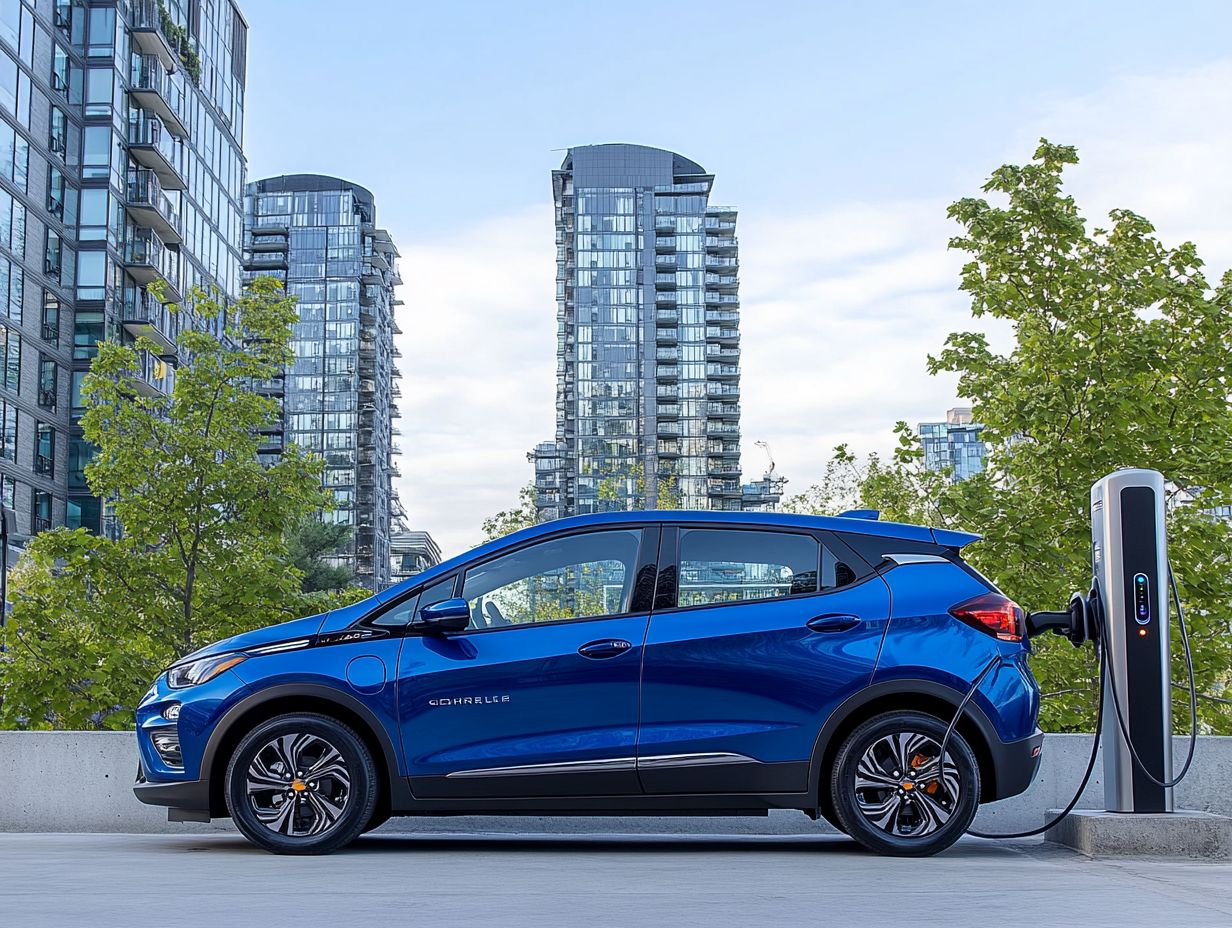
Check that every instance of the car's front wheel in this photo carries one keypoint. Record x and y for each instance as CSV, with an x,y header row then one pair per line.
x,y
893,796
301,784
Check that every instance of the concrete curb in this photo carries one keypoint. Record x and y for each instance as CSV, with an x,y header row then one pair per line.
x,y
80,781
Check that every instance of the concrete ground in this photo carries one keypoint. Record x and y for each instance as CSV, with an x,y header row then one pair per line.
x,y
445,880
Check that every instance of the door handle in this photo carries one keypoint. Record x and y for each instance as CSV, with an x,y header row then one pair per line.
x,y
604,647
834,622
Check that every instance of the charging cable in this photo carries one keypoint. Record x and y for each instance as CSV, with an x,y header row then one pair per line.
x,y
1107,680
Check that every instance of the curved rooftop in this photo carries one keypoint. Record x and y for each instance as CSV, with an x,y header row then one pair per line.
x,y
312,183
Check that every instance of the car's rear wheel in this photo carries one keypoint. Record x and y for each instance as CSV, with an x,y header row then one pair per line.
x,y
892,795
301,784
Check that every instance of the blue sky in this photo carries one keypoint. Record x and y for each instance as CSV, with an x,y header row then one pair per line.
x,y
840,130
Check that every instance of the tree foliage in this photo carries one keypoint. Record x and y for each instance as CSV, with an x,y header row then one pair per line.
x,y
310,544
1121,357
202,553
521,516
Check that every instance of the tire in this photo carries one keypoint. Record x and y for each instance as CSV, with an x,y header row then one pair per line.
x,y
293,811
378,819
884,808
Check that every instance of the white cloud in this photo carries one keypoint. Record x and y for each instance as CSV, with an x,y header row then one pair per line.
x,y
478,371
839,308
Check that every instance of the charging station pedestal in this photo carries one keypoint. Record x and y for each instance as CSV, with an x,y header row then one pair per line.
x,y
1129,556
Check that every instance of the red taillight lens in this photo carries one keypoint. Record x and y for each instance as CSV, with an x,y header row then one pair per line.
x,y
992,613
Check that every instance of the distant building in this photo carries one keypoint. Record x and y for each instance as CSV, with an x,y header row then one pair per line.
x,y
318,235
954,444
648,338
762,496
411,553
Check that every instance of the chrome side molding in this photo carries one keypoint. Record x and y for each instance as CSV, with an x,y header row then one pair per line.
x,y
608,764
915,558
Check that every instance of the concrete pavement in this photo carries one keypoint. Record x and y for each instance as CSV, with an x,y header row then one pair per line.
x,y
446,880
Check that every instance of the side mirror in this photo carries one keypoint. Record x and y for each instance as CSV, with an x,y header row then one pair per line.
x,y
452,615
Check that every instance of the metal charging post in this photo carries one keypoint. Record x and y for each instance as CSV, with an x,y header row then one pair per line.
x,y
1130,559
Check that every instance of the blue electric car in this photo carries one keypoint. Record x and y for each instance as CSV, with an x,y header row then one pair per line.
x,y
626,663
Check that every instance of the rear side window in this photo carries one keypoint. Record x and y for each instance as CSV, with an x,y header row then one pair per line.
x,y
728,566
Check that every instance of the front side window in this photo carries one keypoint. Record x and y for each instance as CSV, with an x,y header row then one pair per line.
x,y
577,577
728,566
400,615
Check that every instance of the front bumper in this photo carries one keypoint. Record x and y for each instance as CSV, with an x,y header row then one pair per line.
x,y
1015,764
186,800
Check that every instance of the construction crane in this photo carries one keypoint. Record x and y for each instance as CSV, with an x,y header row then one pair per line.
x,y
765,446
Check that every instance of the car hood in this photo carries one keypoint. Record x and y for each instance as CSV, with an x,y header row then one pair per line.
x,y
271,634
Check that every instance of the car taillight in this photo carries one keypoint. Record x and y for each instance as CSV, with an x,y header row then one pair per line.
x,y
993,613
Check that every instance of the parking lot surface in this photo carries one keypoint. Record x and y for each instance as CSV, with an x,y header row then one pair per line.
x,y
513,880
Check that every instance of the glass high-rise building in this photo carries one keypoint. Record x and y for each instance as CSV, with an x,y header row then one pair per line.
x,y
121,172
318,235
954,444
648,337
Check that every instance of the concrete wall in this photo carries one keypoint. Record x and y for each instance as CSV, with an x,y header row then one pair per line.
x,y
81,782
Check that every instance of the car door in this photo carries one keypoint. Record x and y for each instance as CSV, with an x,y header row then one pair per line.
x,y
756,636
539,696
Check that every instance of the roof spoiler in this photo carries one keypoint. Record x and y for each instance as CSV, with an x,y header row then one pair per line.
x,y
955,540
872,515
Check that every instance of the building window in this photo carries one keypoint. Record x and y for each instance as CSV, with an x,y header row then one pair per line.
x,y
10,358
44,449
51,318
40,512
8,431
61,69
12,289
8,492
48,383
57,135
54,255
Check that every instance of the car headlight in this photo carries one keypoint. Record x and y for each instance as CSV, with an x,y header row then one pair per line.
x,y
199,671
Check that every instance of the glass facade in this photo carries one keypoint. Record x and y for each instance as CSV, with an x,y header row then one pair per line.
x,y
953,445
648,338
121,177
318,235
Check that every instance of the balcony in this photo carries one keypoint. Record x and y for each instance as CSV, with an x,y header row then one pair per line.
x,y
722,315
665,298
667,317
155,89
714,353
154,376
667,428
721,263
715,298
667,372
665,281
665,243
663,262
723,410
148,261
722,487
668,411
266,261
145,317
721,334
723,371
722,429
721,243
146,29
666,336
150,208
723,390
722,281
718,468
152,146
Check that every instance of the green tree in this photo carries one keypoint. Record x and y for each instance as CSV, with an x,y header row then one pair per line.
x,y
521,516
1122,356
310,542
202,553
